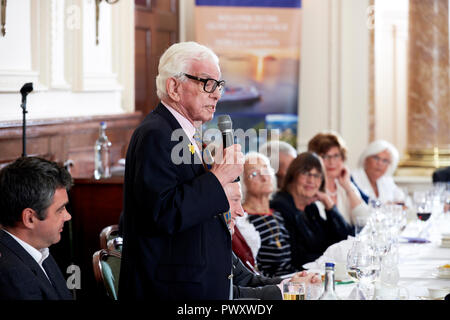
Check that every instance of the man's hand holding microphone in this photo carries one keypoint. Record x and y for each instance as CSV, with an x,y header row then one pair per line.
x,y
229,165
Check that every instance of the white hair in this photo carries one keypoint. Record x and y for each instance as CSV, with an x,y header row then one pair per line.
x,y
248,159
376,147
273,145
177,59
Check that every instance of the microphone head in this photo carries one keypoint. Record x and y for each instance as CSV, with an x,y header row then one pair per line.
x,y
27,88
224,123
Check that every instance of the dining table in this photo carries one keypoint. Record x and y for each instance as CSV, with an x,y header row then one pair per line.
x,y
419,259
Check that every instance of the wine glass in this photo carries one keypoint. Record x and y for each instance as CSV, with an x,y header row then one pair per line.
x,y
423,205
362,266
352,266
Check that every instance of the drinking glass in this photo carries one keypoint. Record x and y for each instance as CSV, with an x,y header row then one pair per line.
x,y
400,196
360,224
422,205
294,290
363,265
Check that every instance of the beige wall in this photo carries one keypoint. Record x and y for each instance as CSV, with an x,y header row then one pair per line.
x,y
52,44
334,69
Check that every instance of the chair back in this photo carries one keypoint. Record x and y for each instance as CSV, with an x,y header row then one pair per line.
x,y
108,233
115,244
106,266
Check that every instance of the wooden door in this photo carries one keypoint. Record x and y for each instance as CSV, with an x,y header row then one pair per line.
x,y
156,28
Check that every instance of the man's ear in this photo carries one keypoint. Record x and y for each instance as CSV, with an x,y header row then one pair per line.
x,y
28,218
173,89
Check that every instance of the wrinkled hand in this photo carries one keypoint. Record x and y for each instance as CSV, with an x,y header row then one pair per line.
x,y
344,179
307,277
229,164
325,199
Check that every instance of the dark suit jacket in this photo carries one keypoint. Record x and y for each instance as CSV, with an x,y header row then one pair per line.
x,y
246,284
310,234
441,175
21,278
176,241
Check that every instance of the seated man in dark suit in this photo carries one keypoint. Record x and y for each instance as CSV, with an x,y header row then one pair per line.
x,y
247,284
33,196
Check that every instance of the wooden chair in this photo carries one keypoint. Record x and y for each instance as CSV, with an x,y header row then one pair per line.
x,y
106,266
115,244
108,233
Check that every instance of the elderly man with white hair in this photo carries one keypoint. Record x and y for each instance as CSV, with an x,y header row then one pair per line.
x,y
176,241
376,166
280,154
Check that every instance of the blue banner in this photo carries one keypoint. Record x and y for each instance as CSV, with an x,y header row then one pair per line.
x,y
251,3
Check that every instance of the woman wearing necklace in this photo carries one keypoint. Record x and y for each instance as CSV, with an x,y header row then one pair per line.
x,y
312,219
258,183
344,193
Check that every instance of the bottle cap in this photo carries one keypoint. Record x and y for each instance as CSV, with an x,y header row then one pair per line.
x,y
103,124
329,265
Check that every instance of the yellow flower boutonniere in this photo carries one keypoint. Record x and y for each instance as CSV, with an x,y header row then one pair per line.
x,y
191,148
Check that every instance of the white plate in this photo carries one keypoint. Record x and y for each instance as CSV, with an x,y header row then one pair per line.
x,y
441,276
429,298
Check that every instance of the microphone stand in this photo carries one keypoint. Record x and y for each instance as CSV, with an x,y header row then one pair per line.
x,y
25,90
24,126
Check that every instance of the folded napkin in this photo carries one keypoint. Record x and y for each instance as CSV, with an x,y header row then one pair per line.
x,y
336,253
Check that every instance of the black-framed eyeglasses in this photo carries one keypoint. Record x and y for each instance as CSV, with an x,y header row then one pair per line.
x,y
209,85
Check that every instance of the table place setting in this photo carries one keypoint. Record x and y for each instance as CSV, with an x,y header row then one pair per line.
x,y
392,257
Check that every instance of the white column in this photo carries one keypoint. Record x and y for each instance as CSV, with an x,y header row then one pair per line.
x,y
334,72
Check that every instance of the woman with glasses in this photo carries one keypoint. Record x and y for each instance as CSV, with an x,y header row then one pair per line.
x,y
376,166
258,183
312,219
345,195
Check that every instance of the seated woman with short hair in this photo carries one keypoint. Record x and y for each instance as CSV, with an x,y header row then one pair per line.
x,y
310,215
332,149
258,183
376,166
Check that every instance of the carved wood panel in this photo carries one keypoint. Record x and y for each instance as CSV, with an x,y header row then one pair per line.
x,y
67,139
156,28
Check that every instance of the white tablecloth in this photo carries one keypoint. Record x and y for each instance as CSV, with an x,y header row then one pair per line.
x,y
418,262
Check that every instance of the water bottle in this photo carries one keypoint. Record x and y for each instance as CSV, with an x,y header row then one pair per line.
x,y
329,292
102,154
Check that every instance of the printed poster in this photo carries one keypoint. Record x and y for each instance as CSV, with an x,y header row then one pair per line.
x,y
258,43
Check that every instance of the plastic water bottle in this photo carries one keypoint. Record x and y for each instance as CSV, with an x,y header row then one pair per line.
x,y
102,154
329,292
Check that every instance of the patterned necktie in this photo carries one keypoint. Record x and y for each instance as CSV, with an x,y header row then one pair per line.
x,y
198,139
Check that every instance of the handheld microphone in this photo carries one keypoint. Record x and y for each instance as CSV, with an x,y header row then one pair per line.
x,y
226,127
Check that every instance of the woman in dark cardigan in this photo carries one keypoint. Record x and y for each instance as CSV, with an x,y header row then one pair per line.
x,y
312,219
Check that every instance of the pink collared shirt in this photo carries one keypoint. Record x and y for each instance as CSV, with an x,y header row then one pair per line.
x,y
186,125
